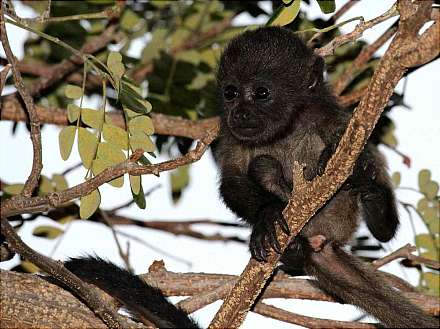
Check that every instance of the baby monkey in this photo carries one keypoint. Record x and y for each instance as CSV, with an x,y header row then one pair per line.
x,y
276,109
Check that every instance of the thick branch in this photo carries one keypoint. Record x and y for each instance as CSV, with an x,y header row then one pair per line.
x,y
308,197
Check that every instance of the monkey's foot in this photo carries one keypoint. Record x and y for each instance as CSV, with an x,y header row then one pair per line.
x,y
317,242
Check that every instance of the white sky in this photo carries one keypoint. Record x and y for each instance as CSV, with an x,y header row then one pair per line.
x,y
418,132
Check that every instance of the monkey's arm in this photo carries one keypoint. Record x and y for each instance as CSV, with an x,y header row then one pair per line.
x,y
143,300
257,206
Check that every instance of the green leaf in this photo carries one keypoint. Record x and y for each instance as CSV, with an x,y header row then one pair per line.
x,y
139,198
327,6
89,204
92,118
29,267
135,183
115,135
191,56
424,241
72,112
13,189
66,139
432,281
424,178
99,165
137,104
110,153
45,186
179,178
390,139
431,190
141,124
73,92
115,65
87,143
422,205
285,14
48,232
156,43
139,140
129,20
396,177
60,182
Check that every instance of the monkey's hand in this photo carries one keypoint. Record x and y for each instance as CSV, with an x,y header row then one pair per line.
x,y
268,173
264,234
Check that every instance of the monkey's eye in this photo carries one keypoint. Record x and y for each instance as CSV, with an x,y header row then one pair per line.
x,y
262,93
230,92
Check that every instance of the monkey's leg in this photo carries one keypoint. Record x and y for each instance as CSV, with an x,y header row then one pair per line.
x,y
256,206
345,277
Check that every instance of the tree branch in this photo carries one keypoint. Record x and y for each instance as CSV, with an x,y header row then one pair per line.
x,y
308,197
37,165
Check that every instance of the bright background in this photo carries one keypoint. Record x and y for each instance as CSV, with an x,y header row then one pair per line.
x,y
418,133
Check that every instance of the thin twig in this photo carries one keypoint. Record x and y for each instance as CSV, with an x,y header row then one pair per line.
x,y
37,165
329,48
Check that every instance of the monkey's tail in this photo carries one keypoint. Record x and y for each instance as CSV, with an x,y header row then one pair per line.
x,y
141,299
347,279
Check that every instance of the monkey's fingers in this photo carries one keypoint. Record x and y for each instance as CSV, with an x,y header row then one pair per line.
x,y
257,244
283,224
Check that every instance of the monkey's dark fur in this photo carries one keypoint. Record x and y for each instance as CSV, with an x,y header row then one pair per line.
x,y
276,109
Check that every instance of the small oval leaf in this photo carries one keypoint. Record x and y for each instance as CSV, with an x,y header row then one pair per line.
x,y
72,112
424,177
89,204
92,118
66,139
115,135
286,14
73,92
110,153
87,143
141,124
141,141
13,189
60,182
135,183
100,165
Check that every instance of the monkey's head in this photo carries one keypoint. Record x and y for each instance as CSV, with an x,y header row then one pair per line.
x,y
265,78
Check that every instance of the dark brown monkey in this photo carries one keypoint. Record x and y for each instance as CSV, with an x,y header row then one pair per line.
x,y
276,109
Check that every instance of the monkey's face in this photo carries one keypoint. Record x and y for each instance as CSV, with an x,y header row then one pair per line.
x,y
264,80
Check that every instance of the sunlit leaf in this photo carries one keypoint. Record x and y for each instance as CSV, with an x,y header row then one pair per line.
x,y
327,6
72,112
141,124
110,153
92,118
115,65
141,141
13,189
66,139
431,190
45,186
60,182
424,177
89,204
396,177
115,135
87,143
99,165
73,92
285,15
129,20
135,183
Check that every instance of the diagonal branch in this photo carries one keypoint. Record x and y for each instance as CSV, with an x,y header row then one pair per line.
x,y
308,197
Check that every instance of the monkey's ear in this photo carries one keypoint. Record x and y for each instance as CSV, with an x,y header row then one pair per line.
x,y
317,72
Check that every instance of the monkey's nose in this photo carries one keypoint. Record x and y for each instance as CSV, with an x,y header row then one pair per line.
x,y
240,116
